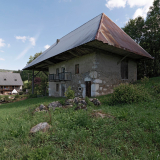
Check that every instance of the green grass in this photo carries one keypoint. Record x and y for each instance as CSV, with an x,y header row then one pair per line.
x,y
133,133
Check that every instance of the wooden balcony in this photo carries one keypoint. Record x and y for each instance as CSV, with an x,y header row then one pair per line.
x,y
66,76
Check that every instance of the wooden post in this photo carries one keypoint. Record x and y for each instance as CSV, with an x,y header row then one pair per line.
x,y
33,82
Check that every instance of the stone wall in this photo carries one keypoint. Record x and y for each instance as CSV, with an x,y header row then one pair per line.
x,y
101,69
86,72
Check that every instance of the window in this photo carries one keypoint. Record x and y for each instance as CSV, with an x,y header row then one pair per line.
x,y
124,69
77,69
15,79
4,79
63,70
57,87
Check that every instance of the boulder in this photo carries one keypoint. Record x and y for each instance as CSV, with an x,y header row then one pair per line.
x,y
42,107
90,99
54,105
69,102
96,102
83,102
81,106
44,126
77,100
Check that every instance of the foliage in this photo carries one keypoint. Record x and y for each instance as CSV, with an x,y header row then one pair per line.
x,y
89,103
156,88
20,93
31,58
145,80
70,94
16,96
6,98
128,94
32,95
147,34
132,133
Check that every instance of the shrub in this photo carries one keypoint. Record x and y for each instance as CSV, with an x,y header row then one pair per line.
x,y
20,93
69,93
89,103
32,96
6,98
145,80
156,88
128,93
16,96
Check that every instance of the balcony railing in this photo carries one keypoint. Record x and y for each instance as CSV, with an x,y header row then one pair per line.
x,y
66,76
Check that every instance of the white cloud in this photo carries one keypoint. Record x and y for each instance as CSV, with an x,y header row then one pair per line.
x,y
1,59
8,45
32,40
143,4
46,46
115,4
23,38
2,44
1,51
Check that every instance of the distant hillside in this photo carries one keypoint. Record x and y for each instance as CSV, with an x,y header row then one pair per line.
x,y
4,70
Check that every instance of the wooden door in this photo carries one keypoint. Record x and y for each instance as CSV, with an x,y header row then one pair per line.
x,y
88,88
62,89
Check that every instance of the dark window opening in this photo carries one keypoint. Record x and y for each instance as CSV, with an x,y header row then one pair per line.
x,y
15,79
57,71
77,69
63,70
57,87
4,79
124,69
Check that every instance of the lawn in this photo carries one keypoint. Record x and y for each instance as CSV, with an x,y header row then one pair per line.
x,y
132,131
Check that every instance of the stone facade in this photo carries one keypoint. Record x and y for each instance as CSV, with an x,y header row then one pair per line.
x,y
103,70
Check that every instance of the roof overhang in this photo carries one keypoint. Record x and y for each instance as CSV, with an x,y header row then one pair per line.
x,y
94,46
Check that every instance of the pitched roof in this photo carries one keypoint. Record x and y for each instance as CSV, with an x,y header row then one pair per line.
x,y
10,79
100,29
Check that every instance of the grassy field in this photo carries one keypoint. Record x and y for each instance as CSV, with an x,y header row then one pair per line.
x,y
132,131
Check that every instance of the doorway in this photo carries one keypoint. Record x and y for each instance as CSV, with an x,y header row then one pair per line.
x,y
88,88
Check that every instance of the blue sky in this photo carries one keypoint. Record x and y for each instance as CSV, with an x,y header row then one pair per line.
x,y
28,27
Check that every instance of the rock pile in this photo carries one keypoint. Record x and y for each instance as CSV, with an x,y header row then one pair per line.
x,y
54,105
79,102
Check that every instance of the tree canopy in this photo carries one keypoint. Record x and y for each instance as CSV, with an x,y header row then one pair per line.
x,y
147,34
31,58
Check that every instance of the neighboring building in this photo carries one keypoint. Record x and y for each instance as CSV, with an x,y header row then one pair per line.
x,y
9,82
92,59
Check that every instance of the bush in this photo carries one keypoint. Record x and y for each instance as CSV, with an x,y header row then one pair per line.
x,y
128,93
20,93
16,96
89,103
32,96
69,93
6,98
145,80
156,88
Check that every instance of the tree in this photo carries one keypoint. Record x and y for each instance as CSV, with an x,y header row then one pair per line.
x,y
31,58
147,34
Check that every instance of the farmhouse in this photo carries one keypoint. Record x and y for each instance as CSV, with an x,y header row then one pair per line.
x,y
92,59
9,82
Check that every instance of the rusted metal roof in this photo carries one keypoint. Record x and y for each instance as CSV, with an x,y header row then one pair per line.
x,y
100,29
111,34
